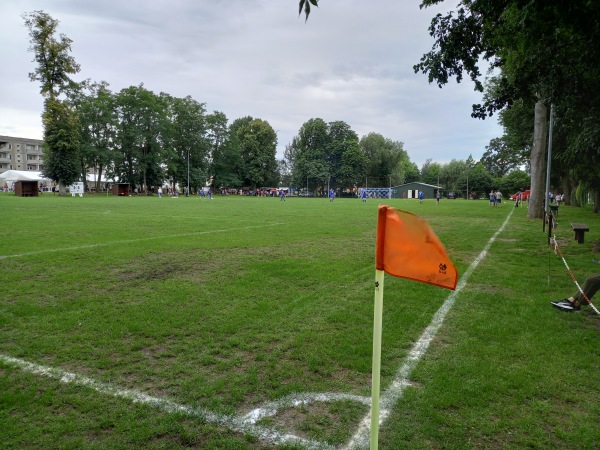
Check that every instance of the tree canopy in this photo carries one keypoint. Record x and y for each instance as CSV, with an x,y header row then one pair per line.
x,y
543,52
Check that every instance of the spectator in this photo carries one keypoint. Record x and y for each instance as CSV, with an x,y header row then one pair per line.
x,y
573,303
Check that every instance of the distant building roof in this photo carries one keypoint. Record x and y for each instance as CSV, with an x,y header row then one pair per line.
x,y
418,182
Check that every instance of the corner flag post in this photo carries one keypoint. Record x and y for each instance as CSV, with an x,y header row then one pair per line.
x,y
376,371
405,247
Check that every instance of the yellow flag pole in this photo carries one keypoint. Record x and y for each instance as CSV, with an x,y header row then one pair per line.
x,y
376,373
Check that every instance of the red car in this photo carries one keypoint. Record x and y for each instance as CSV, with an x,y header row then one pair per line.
x,y
525,195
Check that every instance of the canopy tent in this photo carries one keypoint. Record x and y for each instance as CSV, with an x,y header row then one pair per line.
x,y
22,175
91,178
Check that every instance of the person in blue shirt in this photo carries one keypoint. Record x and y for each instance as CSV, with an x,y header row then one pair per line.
x,y
420,196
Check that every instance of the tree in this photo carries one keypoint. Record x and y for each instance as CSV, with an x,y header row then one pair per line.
x,y
480,180
513,182
185,138
217,131
54,67
409,172
517,121
224,167
284,172
327,155
538,162
290,154
310,162
499,158
431,172
346,160
98,121
545,52
140,134
387,159
54,63
353,165
61,134
257,143
227,166
452,175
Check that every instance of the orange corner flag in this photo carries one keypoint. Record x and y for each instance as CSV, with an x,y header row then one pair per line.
x,y
407,247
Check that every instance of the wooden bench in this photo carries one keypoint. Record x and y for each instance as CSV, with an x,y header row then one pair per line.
x,y
580,229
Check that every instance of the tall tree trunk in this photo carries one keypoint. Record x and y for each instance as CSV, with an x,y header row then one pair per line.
x,y
566,189
538,162
597,201
62,188
99,177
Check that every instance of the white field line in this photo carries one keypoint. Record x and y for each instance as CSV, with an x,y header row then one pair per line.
x,y
129,241
238,424
395,390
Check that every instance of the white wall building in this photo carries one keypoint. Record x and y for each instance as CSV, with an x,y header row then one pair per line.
x,y
21,154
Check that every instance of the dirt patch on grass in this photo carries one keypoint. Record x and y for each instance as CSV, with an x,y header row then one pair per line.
x,y
489,289
332,422
202,265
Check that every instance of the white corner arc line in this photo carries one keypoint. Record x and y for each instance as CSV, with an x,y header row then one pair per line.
x,y
129,241
395,390
291,401
240,425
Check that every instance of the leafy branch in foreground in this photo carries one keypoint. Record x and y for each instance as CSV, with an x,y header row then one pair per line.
x,y
306,5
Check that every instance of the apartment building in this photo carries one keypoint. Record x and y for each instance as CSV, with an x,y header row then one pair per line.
x,y
21,154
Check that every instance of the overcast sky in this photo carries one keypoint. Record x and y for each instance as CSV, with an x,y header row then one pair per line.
x,y
351,61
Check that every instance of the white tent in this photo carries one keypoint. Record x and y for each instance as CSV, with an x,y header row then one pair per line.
x,y
17,175
91,178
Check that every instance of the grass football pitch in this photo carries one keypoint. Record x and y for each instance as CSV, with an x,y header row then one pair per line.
x,y
247,323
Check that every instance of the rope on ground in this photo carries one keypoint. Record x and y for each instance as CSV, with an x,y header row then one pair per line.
x,y
557,249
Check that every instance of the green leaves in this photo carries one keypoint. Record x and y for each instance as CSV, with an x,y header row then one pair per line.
x,y
61,142
51,54
306,5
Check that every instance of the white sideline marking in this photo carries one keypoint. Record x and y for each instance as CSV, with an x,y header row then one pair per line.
x,y
392,394
128,241
247,423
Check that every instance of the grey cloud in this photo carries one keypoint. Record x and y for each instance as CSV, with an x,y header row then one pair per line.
x,y
351,61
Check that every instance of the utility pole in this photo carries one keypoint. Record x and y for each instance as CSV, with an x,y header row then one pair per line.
x,y
188,164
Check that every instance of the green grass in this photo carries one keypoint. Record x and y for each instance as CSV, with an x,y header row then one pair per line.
x,y
232,303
